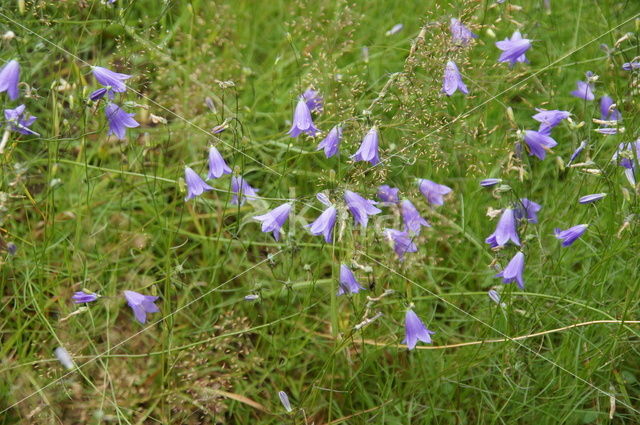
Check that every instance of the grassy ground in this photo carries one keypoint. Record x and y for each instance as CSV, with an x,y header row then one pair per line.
x,y
88,211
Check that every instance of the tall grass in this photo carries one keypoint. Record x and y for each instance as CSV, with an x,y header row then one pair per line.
x,y
88,211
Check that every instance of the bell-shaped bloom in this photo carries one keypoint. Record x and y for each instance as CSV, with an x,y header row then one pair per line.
x,y
607,113
584,91
538,143
490,182
119,120
360,207
81,297
141,305
388,194
514,49
275,219
9,79
217,164
18,120
577,152
627,156
242,191
549,119
402,242
527,210
630,66
348,282
433,192
113,81
302,122
331,143
313,99
411,217
513,271
570,235
505,230
368,150
460,34
324,224
415,330
453,80
195,185
589,199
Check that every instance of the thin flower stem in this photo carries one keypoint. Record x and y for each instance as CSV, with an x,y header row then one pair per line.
x,y
489,341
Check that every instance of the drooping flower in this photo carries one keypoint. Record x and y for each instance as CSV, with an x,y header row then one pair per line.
x,y
415,330
538,143
313,99
302,121
570,235
348,282
578,151
360,207
119,120
460,34
627,156
331,143
514,49
217,165
526,210
368,150
629,66
513,271
113,81
549,119
242,191
490,182
141,305
453,80
195,185
275,219
284,399
10,78
433,192
395,29
81,297
324,224
505,230
584,91
607,111
388,194
19,121
588,199
402,242
413,222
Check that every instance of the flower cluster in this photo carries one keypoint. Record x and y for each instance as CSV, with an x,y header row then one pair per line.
x,y
15,120
117,118
139,303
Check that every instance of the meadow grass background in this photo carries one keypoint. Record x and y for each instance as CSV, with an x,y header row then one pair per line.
x,y
87,211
